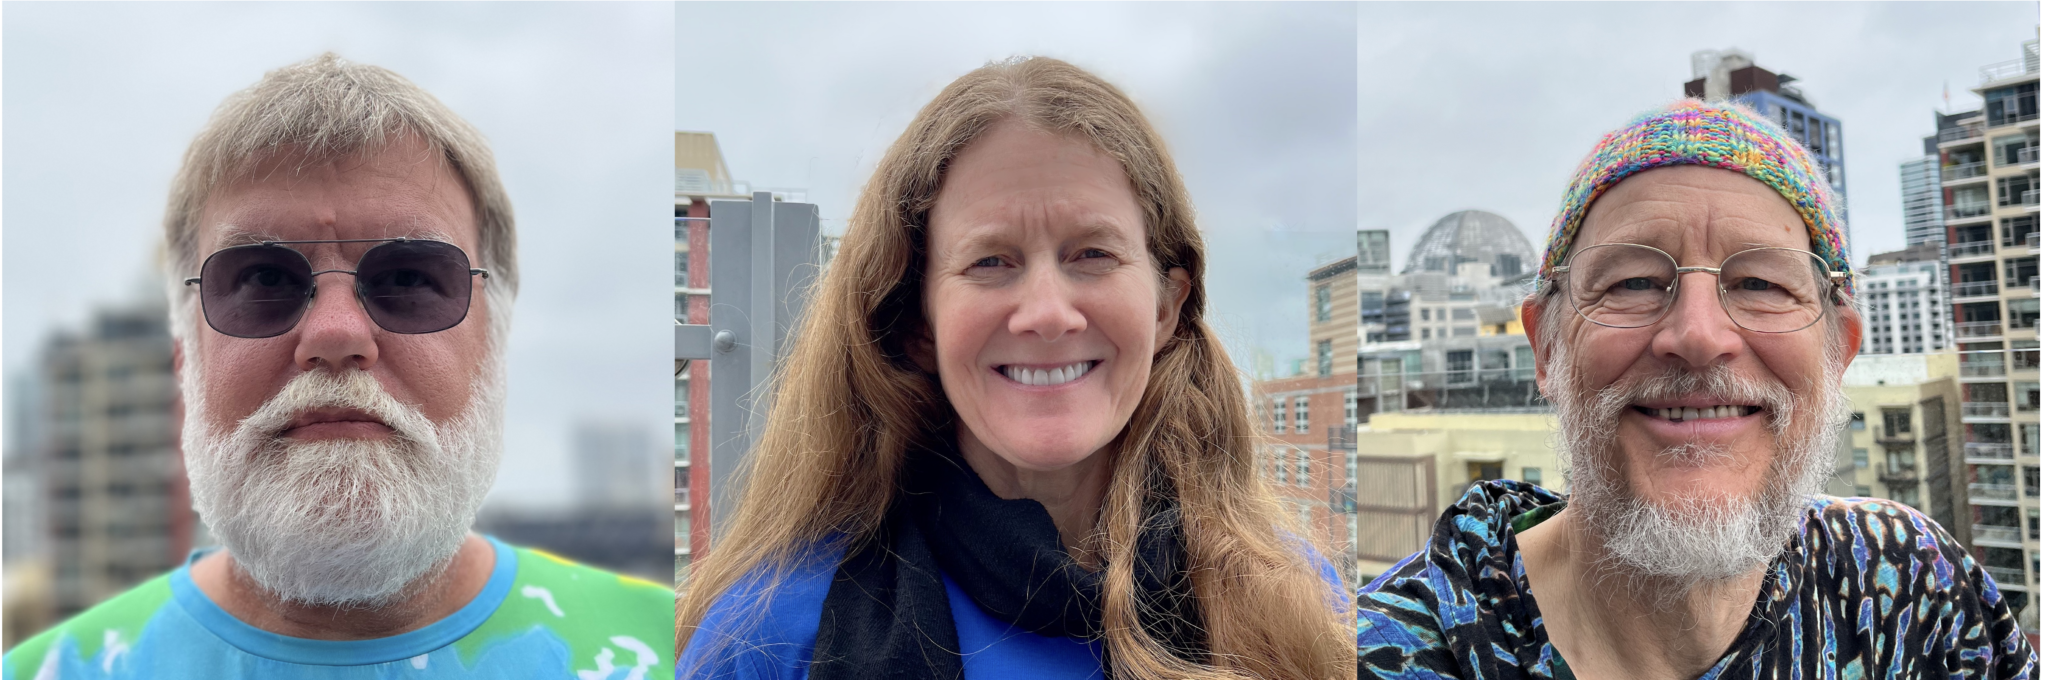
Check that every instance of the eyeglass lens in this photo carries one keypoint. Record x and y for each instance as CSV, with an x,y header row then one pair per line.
x,y
261,291
1768,290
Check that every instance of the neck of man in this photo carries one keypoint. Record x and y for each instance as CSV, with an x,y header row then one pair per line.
x,y
1611,624
432,597
1072,494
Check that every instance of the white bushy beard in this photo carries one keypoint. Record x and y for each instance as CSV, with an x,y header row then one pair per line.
x,y
1692,541
344,522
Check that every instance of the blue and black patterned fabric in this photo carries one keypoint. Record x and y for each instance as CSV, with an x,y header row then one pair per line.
x,y
1869,589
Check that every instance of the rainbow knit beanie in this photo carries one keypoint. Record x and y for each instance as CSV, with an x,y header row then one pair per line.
x,y
1724,135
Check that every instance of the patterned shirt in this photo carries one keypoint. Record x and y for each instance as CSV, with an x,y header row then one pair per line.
x,y
1870,588
538,616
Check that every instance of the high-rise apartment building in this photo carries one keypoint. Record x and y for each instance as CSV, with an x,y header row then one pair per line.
x,y
1311,418
1920,194
115,503
1732,75
1991,178
1903,302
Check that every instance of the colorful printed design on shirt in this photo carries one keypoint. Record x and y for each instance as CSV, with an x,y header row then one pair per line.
x,y
1870,589
540,616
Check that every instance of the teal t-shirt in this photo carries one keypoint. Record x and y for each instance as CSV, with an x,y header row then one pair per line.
x,y
539,616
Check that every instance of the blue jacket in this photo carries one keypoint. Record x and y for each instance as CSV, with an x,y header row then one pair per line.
x,y
775,642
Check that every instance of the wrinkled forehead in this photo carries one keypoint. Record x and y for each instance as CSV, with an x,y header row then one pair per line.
x,y
1697,214
401,191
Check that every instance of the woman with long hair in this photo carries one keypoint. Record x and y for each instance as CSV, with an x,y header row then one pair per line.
x,y
1005,443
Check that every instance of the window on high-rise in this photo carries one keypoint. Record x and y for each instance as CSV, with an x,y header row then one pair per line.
x,y
1280,415
1322,304
1324,360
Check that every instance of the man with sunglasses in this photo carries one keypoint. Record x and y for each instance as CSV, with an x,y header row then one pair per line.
x,y
344,262
1691,326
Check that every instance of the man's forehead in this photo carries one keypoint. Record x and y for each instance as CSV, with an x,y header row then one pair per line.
x,y
1686,205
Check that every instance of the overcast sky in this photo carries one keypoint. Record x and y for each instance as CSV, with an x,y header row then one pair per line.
x,y
102,99
1255,101
1491,106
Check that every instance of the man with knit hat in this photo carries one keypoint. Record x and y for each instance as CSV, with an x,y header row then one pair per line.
x,y
1691,324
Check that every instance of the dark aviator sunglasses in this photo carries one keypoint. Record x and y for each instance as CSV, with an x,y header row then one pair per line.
x,y
406,285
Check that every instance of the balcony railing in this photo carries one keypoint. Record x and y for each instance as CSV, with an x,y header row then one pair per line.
x,y
1956,134
1979,329
1964,211
1981,369
1987,409
2003,70
1987,450
1972,249
2028,154
2006,576
2030,197
1976,289
1994,532
1993,492
1962,171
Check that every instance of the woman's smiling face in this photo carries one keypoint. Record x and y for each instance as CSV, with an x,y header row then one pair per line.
x,y
1044,303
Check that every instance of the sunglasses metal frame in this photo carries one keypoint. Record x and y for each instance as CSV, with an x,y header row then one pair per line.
x,y
313,289
1835,279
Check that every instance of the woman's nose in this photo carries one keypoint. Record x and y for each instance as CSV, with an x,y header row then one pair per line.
x,y
1047,306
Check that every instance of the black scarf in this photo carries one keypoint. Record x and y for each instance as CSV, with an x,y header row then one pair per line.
x,y
887,617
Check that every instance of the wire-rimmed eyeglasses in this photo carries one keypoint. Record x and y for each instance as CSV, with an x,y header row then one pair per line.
x,y
406,285
1765,290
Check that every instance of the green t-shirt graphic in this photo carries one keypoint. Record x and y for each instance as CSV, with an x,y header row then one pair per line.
x,y
539,616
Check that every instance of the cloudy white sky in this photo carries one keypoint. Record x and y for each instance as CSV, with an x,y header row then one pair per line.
x,y
102,98
1491,105
1255,100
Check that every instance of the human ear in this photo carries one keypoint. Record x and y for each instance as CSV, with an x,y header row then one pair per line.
x,y
1178,286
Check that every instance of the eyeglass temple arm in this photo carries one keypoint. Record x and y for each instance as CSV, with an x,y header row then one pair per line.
x,y
486,273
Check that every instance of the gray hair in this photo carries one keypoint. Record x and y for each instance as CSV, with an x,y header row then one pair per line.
x,y
326,109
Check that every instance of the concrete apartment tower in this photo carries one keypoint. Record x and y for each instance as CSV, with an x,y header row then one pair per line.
x,y
1904,302
112,483
1991,179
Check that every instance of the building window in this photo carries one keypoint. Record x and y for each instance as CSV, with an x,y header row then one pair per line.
x,y
1533,475
1280,465
1301,415
1280,415
1856,421
1897,422
1322,304
1458,364
1862,457
1351,409
1323,359
1301,466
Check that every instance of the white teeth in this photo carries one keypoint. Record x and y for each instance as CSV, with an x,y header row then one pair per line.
x,y
1046,377
1683,413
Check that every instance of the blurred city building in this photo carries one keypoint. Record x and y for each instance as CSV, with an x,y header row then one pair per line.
x,y
1991,195
1905,411
1733,75
1903,302
96,475
617,517
1412,465
1311,415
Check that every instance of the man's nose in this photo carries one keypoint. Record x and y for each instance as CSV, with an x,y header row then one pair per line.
x,y
1697,329
1047,308
336,332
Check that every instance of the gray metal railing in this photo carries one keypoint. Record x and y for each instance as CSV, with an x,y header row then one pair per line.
x,y
1976,289
1994,532
1979,329
1962,171
1986,409
1987,450
1960,133
1994,492
2006,575
1971,249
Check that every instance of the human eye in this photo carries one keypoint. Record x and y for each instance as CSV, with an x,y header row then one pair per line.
x,y
990,261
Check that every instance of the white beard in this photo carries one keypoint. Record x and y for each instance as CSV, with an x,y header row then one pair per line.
x,y
1688,542
350,523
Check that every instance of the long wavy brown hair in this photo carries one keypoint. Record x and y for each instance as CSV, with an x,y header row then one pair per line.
x,y
850,401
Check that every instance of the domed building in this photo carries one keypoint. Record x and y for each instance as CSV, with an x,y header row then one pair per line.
x,y
1473,236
